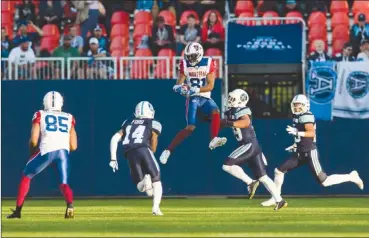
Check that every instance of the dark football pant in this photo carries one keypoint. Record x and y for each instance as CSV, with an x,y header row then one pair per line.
x,y
298,159
250,155
142,161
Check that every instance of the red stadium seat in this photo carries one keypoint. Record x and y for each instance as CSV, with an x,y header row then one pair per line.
x,y
317,32
246,22
7,6
338,46
142,17
269,14
119,53
161,70
341,32
244,6
49,43
340,18
51,30
356,18
207,13
119,43
6,18
67,29
143,53
317,18
120,17
119,30
360,6
293,14
29,29
185,14
213,52
169,17
141,30
167,53
339,6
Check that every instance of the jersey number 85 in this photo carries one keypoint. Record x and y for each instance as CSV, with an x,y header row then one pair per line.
x,y
54,123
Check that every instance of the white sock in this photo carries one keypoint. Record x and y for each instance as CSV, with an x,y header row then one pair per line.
x,y
141,186
336,179
158,192
278,179
237,172
270,186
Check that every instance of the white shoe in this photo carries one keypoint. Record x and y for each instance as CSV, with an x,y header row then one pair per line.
x,y
157,212
164,156
148,185
216,142
356,179
268,203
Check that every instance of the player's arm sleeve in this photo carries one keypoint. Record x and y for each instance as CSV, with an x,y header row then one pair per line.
x,y
156,127
114,144
307,118
213,66
36,117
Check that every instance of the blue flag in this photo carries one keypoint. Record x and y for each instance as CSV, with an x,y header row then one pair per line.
x,y
321,83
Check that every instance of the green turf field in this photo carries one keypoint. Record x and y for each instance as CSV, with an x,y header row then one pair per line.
x,y
192,217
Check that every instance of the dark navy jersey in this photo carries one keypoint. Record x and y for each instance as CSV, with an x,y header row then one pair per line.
x,y
138,132
304,144
243,135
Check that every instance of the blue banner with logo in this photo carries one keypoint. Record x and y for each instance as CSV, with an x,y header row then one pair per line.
x,y
321,83
280,44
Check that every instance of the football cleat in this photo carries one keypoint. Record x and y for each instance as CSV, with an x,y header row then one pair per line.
x,y
164,156
252,188
216,142
157,212
69,213
148,185
280,205
268,203
15,214
356,179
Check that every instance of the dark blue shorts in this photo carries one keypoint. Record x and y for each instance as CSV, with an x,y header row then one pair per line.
x,y
38,163
202,104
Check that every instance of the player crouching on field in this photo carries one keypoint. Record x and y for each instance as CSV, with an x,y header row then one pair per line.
x,y
304,150
238,117
140,140
58,138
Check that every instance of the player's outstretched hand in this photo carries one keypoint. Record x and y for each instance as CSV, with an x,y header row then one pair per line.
x,y
292,130
291,148
114,165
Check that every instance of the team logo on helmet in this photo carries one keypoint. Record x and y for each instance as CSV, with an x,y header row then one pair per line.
x,y
243,97
322,84
357,84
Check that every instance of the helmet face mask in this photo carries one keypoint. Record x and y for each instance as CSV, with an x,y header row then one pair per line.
x,y
193,53
191,58
300,104
237,98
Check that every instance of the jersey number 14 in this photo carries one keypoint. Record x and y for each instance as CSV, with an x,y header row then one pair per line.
x,y
137,135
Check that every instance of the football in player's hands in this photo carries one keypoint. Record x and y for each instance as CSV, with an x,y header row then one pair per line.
x,y
184,90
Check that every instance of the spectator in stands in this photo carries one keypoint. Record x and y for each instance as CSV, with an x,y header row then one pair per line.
x,y
87,15
189,33
66,51
207,5
212,34
162,36
112,6
317,5
359,32
23,57
5,43
167,5
319,55
144,5
25,12
69,14
96,68
346,54
290,6
33,37
103,40
51,12
270,5
77,41
364,54
184,5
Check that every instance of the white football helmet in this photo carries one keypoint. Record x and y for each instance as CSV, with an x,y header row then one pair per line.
x,y
237,98
303,104
193,53
144,110
53,101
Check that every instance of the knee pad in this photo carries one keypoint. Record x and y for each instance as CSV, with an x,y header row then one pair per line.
x,y
226,167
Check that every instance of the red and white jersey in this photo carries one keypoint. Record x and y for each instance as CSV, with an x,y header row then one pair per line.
x,y
196,75
55,127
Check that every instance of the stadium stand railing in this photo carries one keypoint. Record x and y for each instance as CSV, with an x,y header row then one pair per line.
x,y
99,68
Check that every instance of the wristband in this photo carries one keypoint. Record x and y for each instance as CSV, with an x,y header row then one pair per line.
x,y
301,133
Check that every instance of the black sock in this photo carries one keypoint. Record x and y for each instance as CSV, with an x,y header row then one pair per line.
x,y
70,205
18,208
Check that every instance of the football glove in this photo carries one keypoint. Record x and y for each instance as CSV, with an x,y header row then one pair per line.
x,y
114,165
292,130
193,90
292,148
177,88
